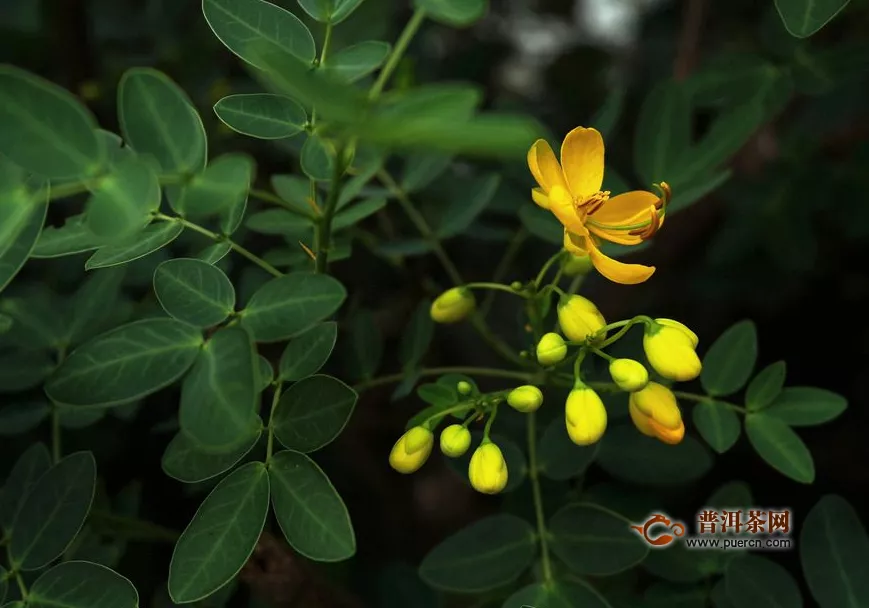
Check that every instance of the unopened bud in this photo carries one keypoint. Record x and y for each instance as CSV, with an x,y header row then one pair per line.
x,y
453,305
525,398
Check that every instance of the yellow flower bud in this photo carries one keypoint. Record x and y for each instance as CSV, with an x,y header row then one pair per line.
x,y
648,426
670,352
585,416
683,328
655,412
551,349
488,469
411,450
464,388
455,440
525,398
629,375
579,318
453,305
576,265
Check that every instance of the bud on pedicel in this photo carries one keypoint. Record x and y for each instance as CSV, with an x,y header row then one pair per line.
x,y
579,318
551,349
453,305
487,471
455,440
585,416
574,265
671,353
525,399
655,412
411,450
464,388
629,375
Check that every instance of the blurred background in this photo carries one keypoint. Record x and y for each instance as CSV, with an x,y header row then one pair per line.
x,y
782,242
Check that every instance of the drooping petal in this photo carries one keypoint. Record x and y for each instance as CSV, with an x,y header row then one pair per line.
x,y
544,166
561,205
628,208
615,271
620,237
582,161
539,197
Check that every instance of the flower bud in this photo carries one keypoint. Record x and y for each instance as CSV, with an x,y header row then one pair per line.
x,y
411,450
453,305
464,388
585,416
455,440
516,286
655,413
683,328
574,265
629,375
551,349
488,469
525,398
579,318
670,352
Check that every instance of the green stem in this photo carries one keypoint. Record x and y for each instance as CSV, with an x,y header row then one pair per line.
x,y
438,371
504,266
602,354
489,424
492,286
534,478
443,414
270,443
64,190
577,364
625,326
546,268
708,399
268,197
324,222
397,53
22,588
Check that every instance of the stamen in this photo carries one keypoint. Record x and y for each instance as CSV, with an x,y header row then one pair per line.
x,y
594,202
653,226
666,195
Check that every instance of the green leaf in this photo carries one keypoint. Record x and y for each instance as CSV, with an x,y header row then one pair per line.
x,y
53,512
416,337
595,541
124,200
698,187
489,553
834,549
20,418
766,386
279,222
542,224
44,129
99,292
355,213
325,11
760,583
730,360
607,116
318,158
185,461
194,291
126,363
662,595
313,412
803,18
718,425
576,594
663,132
295,190
231,218
21,217
239,23
158,119
223,184
456,13
366,345
265,374
4,584
437,394
357,61
23,371
780,447
467,205
559,458
307,353
79,418
29,467
421,169
309,510
680,564
218,395
222,535
628,455
71,238
806,406
214,253
286,306
262,115
154,237
79,584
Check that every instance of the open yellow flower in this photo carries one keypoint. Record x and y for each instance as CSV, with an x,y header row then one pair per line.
x,y
571,190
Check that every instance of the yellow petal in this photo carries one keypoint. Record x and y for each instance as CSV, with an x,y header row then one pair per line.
x,y
620,237
561,205
582,161
574,243
617,272
544,166
624,209
539,197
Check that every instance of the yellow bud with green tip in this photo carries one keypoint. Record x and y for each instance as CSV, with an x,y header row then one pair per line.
x,y
551,349
455,440
629,375
453,305
525,399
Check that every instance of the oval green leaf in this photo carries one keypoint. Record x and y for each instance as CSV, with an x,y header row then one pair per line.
x,y
194,291
183,460
222,535
224,183
44,129
22,215
663,132
307,353
455,13
71,238
158,119
98,292
20,418
630,456
802,18
154,237
576,594
357,61
318,159
766,386
559,458
718,425
313,412
355,213
365,346
806,406
219,394
53,512
262,115
123,202
780,447
834,551
26,471
760,583
288,305
416,337
126,363
309,510
279,222
730,360
79,584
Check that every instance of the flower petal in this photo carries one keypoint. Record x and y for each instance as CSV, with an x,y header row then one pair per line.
x,y
628,208
561,205
539,197
544,166
574,243
582,161
620,237
617,272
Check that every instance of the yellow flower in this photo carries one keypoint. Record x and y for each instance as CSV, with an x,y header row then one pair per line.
x,y
683,328
579,318
453,305
571,190
585,416
655,413
525,399
488,469
629,375
670,351
411,450
455,440
576,264
551,349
